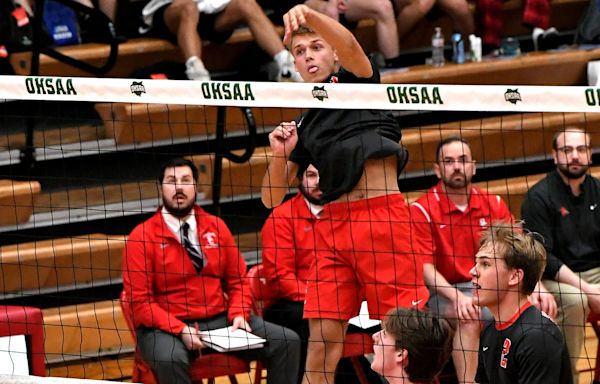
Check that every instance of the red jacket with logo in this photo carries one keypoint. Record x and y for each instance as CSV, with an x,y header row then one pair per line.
x,y
288,241
163,286
450,236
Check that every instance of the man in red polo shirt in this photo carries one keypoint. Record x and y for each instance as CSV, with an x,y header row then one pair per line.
x,y
448,221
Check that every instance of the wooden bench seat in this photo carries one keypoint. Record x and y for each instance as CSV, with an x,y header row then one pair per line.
x,y
49,264
83,331
136,123
17,199
537,68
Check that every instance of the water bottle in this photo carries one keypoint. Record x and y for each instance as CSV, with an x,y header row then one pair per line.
x,y
437,48
458,48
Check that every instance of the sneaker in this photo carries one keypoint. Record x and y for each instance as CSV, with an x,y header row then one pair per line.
x,y
287,70
544,40
194,70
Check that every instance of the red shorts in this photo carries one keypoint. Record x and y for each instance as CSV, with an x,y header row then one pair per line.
x,y
364,250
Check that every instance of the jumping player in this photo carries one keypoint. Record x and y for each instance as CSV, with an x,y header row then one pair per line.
x,y
363,241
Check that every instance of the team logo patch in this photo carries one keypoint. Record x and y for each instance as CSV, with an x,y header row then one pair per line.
x,y
564,211
319,93
210,240
137,88
512,96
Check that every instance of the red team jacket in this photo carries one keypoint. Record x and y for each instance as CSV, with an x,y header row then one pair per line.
x,y
163,286
451,237
289,248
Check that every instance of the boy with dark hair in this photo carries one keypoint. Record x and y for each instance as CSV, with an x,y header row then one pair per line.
x,y
412,346
523,345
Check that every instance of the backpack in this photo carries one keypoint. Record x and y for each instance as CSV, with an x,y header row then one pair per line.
x,y
588,29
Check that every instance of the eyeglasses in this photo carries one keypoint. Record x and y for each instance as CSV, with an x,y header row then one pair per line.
x,y
569,150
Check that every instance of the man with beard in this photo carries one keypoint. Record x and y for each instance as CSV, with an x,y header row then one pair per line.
x,y
288,244
183,273
564,208
448,220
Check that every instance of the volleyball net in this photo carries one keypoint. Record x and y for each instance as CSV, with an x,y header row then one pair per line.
x,y
79,159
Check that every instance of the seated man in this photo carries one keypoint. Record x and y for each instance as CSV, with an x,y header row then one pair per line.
x,y
187,22
182,273
288,241
412,346
522,345
449,219
562,209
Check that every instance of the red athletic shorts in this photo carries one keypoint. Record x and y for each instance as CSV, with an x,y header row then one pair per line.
x,y
364,250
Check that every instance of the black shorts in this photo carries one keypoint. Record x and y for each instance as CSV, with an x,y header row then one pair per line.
x,y
206,27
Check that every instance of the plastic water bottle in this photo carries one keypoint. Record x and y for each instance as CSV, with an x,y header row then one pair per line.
x,y
437,48
458,48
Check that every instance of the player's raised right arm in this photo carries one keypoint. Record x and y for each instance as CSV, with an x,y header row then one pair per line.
x,y
281,172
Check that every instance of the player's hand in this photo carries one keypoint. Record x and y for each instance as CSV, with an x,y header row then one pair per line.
x,y
593,294
283,139
240,322
293,19
466,309
543,300
191,338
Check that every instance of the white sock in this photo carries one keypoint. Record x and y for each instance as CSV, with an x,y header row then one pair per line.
x,y
195,69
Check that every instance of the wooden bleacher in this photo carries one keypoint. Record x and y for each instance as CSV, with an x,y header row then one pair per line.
x,y
17,199
136,123
492,140
50,264
226,57
568,67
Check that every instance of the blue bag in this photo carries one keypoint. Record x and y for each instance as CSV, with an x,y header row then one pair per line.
x,y
61,22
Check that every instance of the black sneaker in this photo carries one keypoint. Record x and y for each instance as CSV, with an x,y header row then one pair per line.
x,y
544,40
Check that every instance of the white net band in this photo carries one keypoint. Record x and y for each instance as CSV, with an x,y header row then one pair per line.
x,y
495,98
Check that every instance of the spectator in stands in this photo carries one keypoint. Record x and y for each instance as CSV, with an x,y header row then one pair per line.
x,y
188,22
522,345
449,219
365,221
563,208
412,346
412,11
536,15
182,273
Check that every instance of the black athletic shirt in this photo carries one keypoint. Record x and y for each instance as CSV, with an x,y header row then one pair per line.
x,y
338,141
569,224
528,349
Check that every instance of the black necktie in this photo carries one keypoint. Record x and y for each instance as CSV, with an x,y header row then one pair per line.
x,y
195,255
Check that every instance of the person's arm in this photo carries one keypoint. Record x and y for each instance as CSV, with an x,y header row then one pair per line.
x,y
567,276
279,256
536,218
137,283
350,54
281,172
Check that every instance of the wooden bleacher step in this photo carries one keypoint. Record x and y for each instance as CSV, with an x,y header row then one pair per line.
x,y
54,137
138,123
48,265
567,67
17,199
82,197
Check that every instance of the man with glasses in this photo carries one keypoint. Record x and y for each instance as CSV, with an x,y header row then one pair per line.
x,y
564,208
449,219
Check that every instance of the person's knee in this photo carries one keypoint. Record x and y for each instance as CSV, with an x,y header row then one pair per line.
x,y
165,359
183,10
245,8
381,10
